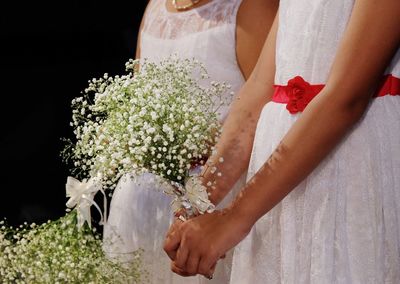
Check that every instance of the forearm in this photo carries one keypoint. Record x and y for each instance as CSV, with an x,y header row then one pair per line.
x,y
312,138
236,141
233,150
365,51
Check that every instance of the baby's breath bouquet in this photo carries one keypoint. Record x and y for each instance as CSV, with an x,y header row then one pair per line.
x,y
59,252
157,118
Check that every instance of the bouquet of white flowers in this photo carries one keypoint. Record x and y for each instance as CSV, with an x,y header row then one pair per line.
x,y
59,252
156,119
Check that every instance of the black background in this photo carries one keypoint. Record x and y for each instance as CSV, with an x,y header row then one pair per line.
x,y
48,52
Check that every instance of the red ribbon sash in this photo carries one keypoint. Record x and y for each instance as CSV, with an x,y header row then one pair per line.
x,y
298,93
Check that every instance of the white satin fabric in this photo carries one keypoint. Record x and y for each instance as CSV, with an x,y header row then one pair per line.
x,y
140,213
342,223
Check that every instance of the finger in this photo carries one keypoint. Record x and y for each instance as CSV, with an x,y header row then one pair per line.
x,y
182,256
180,212
192,264
178,270
207,266
171,244
174,227
210,274
171,253
212,269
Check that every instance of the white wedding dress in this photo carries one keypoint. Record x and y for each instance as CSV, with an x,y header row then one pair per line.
x,y
140,215
342,223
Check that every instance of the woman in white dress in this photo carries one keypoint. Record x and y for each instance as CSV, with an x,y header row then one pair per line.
x,y
227,36
322,202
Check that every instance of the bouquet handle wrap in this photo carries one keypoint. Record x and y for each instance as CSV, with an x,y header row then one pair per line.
x,y
192,197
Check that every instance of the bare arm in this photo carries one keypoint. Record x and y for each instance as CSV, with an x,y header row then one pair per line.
x,y
239,128
253,23
365,51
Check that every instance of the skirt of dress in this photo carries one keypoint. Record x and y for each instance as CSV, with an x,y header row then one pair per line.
x,y
342,223
140,216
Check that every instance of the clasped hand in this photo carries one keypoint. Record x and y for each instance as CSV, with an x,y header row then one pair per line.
x,y
195,245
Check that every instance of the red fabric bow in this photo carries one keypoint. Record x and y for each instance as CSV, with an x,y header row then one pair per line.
x,y
299,93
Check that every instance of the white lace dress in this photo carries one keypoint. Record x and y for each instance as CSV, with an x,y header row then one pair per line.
x,y
341,224
140,215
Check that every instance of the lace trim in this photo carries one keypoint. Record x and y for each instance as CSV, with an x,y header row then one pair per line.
x,y
160,23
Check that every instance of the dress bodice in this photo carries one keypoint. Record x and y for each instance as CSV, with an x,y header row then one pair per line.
x,y
309,35
207,33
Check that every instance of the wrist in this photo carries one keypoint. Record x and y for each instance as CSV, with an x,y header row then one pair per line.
x,y
213,196
211,190
240,217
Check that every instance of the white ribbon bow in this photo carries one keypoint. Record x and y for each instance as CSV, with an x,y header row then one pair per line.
x,y
193,197
81,195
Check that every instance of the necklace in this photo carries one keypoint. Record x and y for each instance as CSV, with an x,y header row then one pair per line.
x,y
184,7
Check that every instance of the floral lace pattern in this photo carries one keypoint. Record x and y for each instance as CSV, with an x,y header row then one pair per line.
x,y
161,23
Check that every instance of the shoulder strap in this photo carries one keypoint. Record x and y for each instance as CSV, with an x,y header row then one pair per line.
x,y
152,12
232,8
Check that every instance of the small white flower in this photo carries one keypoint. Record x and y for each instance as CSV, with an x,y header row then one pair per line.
x,y
151,130
153,115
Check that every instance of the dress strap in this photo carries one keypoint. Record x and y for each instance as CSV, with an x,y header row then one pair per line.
x,y
236,5
152,12
160,23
